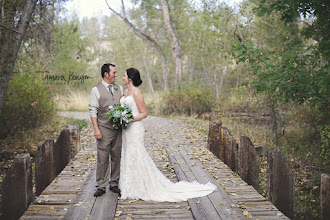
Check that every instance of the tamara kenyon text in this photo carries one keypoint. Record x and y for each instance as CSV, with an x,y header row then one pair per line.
x,y
68,79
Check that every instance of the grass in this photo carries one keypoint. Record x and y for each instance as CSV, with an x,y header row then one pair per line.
x,y
256,129
154,103
78,101
73,101
200,125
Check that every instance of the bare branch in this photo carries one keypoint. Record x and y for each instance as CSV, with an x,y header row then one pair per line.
x,y
123,8
153,43
24,20
136,30
10,29
43,33
114,11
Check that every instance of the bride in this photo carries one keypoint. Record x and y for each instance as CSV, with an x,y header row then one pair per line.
x,y
139,176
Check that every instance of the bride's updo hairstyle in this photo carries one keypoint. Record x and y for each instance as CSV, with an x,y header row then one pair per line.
x,y
134,75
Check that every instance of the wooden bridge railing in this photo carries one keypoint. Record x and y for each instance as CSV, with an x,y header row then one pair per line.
x,y
243,158
325,196
51,158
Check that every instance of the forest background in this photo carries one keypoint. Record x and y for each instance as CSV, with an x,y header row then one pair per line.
x,y
262,67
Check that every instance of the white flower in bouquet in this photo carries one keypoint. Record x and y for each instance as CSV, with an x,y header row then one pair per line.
x,y
120,116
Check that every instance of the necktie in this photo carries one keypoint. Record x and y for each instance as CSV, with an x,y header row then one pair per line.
x,y
110,89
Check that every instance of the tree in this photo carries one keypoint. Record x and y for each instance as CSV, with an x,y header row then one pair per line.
x,y
285,66
317,11
310,69
12,33
174,40
149,39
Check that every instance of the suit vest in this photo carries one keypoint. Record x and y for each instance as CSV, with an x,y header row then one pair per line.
x,y
106,100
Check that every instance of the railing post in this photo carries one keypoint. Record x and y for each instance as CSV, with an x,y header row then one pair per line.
x,y
229,149
325,196
213,142
62,151
74,139
248,162
280,182
17,187
45,167
66,147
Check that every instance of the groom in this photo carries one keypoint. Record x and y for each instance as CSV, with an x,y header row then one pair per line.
x,y
103,95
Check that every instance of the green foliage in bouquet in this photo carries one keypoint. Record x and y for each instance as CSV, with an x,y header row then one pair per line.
x,y
120,116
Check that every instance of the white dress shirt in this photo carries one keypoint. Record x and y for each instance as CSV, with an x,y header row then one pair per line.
x,y
94,98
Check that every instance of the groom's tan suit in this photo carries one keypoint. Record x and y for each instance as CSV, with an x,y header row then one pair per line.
x,y
110,144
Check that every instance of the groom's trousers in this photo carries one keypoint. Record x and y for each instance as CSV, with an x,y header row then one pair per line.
x,y
109,145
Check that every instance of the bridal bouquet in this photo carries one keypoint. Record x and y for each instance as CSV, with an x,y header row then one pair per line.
x,y
120,115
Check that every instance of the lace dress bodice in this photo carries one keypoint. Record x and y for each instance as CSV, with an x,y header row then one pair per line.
x,y
129,100
140,177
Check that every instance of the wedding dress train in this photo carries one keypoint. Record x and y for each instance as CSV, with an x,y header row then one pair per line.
x,y
140,177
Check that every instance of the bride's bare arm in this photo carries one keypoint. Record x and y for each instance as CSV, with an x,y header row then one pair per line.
x,y
139,100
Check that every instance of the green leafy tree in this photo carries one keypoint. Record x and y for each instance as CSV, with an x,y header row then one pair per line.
x,y
68,52
316,14
15,18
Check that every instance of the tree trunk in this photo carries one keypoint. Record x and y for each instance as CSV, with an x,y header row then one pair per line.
x,y
10,41
148,74
176,52
273,117
49,23
237,81
202,59
217,93
150,40
192,71
221,79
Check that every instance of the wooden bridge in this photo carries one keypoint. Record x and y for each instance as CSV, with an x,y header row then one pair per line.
x,y
181,154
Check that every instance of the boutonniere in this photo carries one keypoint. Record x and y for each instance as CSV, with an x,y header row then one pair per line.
x,y
115,86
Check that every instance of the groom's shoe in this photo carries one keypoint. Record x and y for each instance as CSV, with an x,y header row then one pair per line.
x,y
99,192
114,189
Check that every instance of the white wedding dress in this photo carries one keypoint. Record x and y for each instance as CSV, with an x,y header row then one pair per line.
x,y
140,177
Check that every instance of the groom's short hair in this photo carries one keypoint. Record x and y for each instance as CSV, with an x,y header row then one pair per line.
x,y
106,68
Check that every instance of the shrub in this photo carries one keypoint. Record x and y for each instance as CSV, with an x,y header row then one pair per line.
x,y
325,142
28,103
188,99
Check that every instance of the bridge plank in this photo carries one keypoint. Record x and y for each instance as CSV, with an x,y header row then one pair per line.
x,y
227,209
71,193
56,199
199,206
26,217
84,202
139,209
216,205
198,210
105,206
232,184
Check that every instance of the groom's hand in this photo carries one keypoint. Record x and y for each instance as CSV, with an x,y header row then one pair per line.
x,y
97,134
